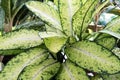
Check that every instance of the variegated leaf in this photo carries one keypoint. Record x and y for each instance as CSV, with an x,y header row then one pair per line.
x,y
113,28
15,66
93,57
67,8
43,71
70,71
21,39
49,15
50,34
106,41
83,16
112,76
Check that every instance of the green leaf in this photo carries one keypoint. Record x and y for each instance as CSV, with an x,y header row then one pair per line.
x,y
50,34
83,1
54,44
2,18
6,5
83,16
30,24
117,35
101,6
116,51
115,11
96,77
44,71
21,39
17,64
112,77
67,8
70,71
56,2
114,25
46,13
11,51
17,5
113,28
53,5
1,66
93,57
106,41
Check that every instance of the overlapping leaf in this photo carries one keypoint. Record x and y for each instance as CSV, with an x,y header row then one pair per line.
x,y
50,34
46,13
44,71
67,8
30,24
113,28
17,64
106,41
21,39
53,41
70,71
93,57
54,44
111,77
83,16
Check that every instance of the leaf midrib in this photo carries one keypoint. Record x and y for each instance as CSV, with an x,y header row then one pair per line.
x,y
91,55
48,16
41,69
69,72
30,61
70,15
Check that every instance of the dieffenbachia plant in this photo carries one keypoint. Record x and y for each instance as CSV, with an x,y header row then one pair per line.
x,y
63,51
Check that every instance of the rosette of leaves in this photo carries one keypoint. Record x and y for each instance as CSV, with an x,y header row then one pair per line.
x,y
45,52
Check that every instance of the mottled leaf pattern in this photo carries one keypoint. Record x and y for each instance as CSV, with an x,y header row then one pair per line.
x,y
67,8
83,16
46,13
106,41
70,71
43,71
111,77
113,28
21,39
93,57
31,57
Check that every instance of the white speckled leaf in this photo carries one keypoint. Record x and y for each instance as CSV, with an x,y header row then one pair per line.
x,y
43,71
48,14
15,66
21,39
67,8
50,34
70,71
83,16
93,57
112,76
